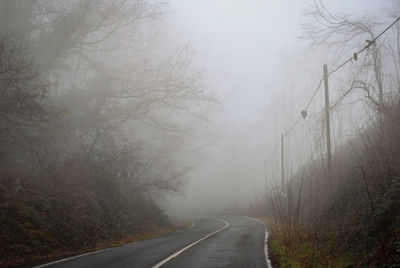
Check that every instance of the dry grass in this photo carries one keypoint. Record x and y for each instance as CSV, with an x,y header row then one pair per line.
x,y
356,221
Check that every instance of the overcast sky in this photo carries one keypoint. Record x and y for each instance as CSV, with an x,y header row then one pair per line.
x,y
253,61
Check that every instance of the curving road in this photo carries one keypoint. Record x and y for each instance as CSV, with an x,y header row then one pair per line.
x,y
228,241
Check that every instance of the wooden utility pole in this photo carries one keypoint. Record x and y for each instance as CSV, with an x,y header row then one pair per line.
x,y
283,160
265,183
265,177
328,126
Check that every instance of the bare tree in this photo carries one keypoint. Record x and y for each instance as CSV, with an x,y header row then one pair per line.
x,y
119,87
24,106
347,36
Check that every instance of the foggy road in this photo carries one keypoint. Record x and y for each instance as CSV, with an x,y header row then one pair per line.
x,y
229,241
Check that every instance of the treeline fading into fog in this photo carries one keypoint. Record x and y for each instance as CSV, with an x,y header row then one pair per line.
x,y
95,110
351,219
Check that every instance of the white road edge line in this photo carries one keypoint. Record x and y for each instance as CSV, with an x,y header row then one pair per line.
x,y
191,245
77,256
81,255
97,251
265,241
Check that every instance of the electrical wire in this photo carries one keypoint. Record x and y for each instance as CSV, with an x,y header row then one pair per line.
x,y
313,95
354,57
370,42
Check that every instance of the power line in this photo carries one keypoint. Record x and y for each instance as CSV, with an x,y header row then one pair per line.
x,y
308,105
370,42
287,132
313,95
354,57
292,127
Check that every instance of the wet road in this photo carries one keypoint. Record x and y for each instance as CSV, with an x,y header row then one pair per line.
x,y
228,241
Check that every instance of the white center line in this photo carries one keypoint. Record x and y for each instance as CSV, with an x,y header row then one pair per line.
x,y
191,245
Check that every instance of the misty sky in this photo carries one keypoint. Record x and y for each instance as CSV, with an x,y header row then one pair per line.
x,y
250,56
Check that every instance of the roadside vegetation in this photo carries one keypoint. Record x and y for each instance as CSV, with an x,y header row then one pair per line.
x,y
356,222
351,219
94,112
41,220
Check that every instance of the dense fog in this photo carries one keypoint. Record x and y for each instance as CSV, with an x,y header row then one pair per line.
x,y
256,60
193,95
169,122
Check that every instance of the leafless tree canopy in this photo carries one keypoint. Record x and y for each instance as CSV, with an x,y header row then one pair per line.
x,y
88,80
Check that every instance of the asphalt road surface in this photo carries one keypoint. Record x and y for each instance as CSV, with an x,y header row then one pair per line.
x,y
228,241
